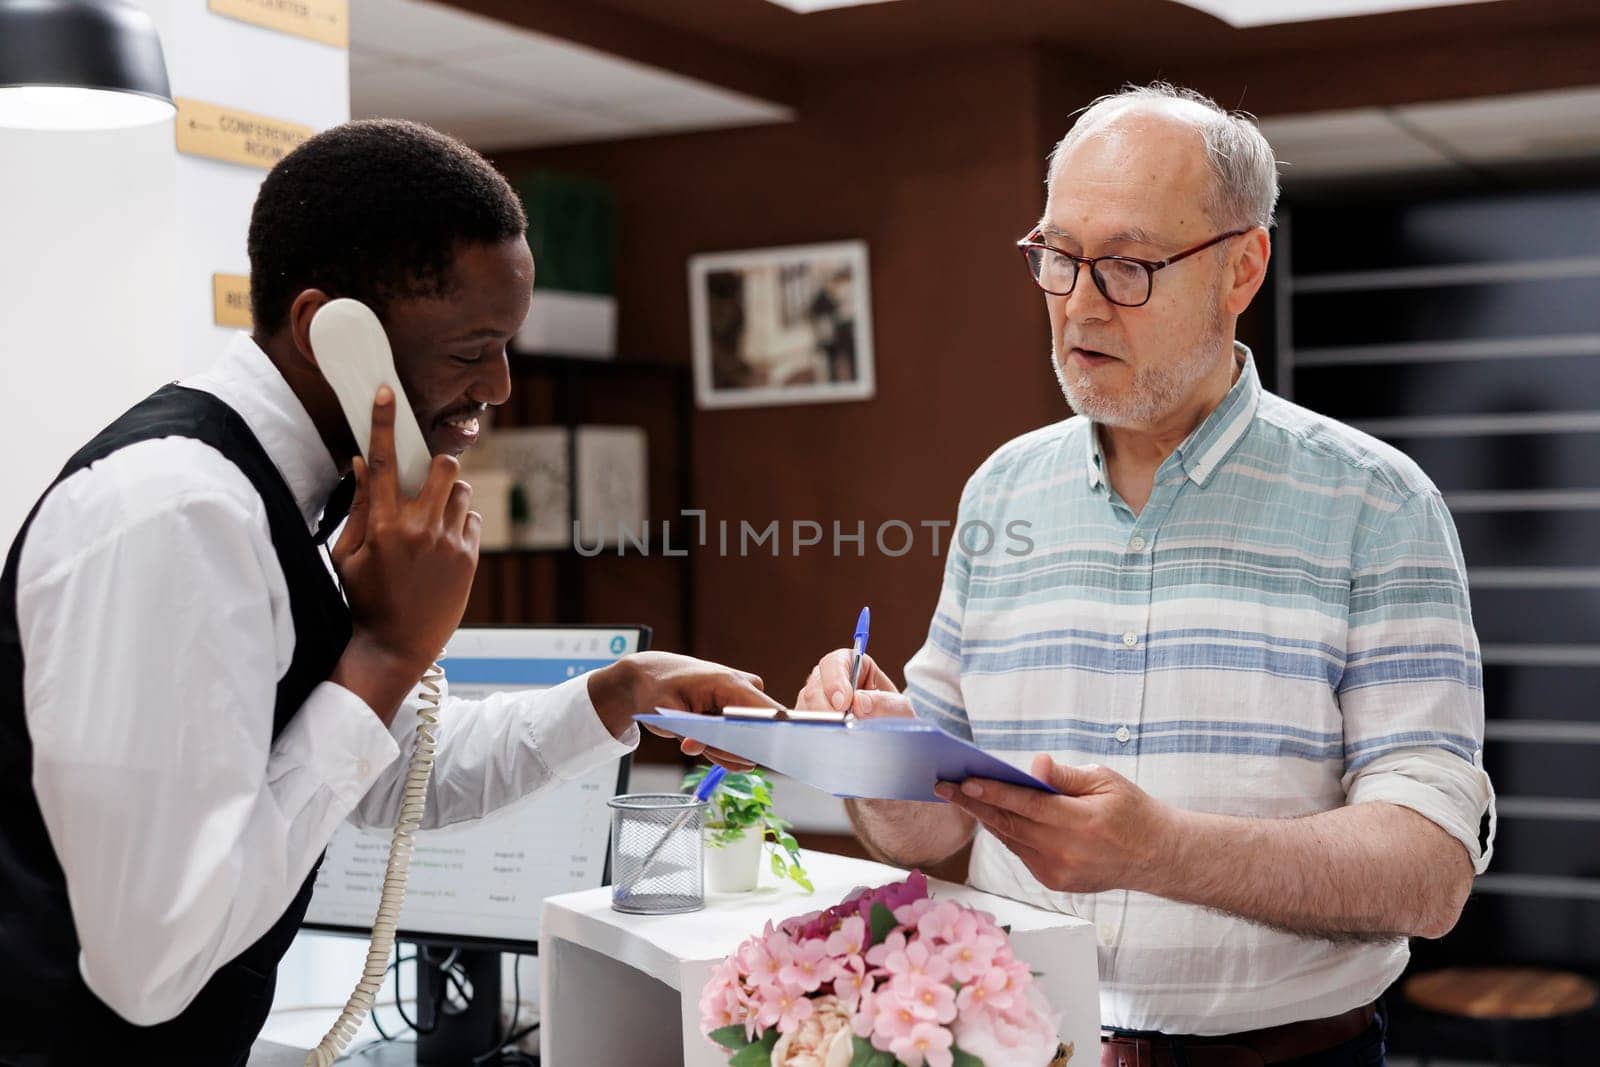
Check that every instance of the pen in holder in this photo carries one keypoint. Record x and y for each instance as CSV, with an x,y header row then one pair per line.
x,y
657,853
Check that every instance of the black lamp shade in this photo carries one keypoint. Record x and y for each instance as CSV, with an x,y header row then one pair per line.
x,y
83,44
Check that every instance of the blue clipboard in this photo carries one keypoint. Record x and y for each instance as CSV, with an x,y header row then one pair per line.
x,y
871,759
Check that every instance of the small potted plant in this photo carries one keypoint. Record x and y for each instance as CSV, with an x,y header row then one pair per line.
x,y
738,823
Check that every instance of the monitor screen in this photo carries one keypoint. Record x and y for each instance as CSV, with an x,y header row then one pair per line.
x,y
484,882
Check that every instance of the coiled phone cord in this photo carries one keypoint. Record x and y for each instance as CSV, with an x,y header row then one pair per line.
x,y
394,878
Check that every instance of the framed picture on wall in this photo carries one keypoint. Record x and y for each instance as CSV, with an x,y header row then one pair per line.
x,y
536,460
613,484
788,325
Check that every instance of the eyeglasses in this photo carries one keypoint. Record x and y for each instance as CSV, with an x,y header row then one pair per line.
x,y
1123,280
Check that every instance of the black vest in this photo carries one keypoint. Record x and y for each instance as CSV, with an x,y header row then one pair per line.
x,y
45,1007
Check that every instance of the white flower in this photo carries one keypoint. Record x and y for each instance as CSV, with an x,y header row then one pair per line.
x,y
823,1040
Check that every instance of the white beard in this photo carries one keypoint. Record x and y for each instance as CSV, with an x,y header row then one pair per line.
x,y
1158,389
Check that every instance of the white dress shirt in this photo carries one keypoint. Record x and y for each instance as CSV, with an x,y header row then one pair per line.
x,y
155,627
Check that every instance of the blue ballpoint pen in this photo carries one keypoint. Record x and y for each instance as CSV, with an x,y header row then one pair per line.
x,y
859,646
708,786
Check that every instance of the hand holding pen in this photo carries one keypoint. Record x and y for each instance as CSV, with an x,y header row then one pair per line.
x,y
847,679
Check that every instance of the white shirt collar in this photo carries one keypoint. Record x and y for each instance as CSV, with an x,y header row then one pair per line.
x,y
248,382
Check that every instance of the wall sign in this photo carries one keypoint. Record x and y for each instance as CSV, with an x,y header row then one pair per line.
x,y
235,136
327,21
230,298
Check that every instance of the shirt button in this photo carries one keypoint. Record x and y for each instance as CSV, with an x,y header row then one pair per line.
x,y
1122,734
1137,544
362,767
1107,935
1130,639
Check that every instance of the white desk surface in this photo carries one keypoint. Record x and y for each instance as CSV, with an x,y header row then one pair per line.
x,y
658,944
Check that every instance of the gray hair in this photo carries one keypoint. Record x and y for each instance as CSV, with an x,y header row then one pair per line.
x,y
1244,185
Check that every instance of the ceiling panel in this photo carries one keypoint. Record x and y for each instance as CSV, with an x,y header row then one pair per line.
x,y
419,93
497,86
479,114
1462,135
1527,126
430,32
693,108
549,65
1335,143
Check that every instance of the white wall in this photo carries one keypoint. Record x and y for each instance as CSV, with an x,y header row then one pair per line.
x,y
108,241
236,64
88,318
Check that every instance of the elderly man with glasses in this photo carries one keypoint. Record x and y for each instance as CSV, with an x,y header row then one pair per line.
x,y
1240,649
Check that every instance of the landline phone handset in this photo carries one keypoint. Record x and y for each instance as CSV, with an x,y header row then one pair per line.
x,y
353,354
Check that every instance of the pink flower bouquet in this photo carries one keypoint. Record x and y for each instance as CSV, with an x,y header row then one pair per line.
x,y
888,977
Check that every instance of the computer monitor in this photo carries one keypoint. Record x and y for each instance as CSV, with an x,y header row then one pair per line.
x,y
476,890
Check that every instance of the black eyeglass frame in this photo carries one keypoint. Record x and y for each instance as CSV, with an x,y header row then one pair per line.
x,y
1033,241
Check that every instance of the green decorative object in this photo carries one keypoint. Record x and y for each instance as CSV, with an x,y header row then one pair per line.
x,y
571,230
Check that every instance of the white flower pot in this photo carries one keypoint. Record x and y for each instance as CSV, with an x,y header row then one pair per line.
x,y
736,866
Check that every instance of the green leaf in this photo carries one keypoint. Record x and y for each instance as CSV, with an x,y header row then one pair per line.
x,y
777,865
883,922
963,1059
756,1055
730,1037
800,879
737,816
861,1052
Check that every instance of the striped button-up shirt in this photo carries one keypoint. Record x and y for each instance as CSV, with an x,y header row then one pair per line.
x,y
1282,629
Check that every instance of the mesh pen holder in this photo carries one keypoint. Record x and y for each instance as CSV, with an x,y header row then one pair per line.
x,y
656,853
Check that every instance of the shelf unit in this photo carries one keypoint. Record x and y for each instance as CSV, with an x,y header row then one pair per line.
x,y
556,585
1465,330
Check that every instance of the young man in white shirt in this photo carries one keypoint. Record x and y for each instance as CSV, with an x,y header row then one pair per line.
x,y
194,693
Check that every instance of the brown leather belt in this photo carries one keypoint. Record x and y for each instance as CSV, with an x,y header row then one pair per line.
x,y
1254,1048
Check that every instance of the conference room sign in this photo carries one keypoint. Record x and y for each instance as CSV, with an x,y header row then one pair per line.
x,y
234,136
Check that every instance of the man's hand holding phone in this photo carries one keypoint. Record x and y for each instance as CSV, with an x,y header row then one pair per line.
x,y
407,568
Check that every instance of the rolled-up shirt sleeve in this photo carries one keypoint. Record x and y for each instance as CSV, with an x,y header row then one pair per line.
x,y
1412,688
